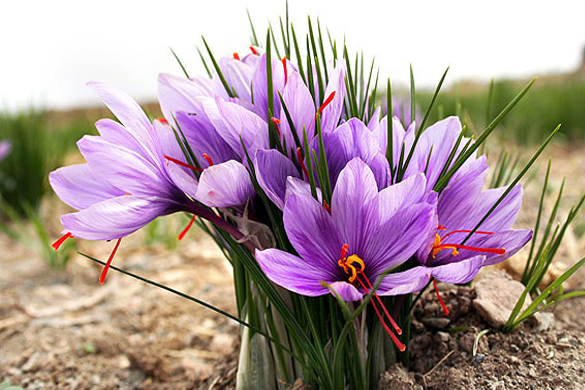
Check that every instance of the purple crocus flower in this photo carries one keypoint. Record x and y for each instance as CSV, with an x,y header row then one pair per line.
x,y
128,181
366,233
5,148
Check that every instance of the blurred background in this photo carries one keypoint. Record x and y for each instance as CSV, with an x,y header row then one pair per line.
x,y
52,49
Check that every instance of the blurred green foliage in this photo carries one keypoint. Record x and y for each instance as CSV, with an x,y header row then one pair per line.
x,y
38,147
551,101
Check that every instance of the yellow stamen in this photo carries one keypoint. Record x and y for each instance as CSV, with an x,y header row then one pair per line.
x,y
348,267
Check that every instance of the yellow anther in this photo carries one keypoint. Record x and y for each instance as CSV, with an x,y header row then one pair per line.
x,y
355,259
347,264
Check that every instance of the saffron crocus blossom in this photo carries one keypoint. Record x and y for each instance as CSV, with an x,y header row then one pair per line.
x,y
350,140
379,230
127,182
5,148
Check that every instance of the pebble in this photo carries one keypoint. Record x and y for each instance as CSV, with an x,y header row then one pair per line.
x,y
436,322
479,358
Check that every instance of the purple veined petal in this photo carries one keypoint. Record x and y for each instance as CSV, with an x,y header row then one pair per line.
x,y
312,233
272,171
398,137
441,137
301,107
296,186
204,138
115,218
168,141
179,94
259,85
225,185
460,198
347,291
115,133
399,238
293,273
353,139
236,124
504,215
184,180
405,282
332,112
80,188
130,115
405,193
124,168
458,272
238,76
354,206
374,122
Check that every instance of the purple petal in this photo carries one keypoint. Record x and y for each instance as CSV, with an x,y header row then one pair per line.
x,y
354,205
238,76
123,168
292,272
312,233
260,87
346,291
296,186
180,94
131,115
397,196
399,238
115,218
80,188
405,282
272,171
332,113
5,148
458,272
301,107
225,185
184,180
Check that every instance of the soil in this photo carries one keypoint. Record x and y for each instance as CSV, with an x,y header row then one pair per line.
x,y
62,330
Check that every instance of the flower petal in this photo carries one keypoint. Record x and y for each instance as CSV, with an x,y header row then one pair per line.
x,y
225,185
301,107
332,112
80,188
291,272
405,193
312,233
354,205
405,282
115,218
346,291
458,272
272,171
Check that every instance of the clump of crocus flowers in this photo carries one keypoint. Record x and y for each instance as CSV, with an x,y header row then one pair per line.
x,y
319,201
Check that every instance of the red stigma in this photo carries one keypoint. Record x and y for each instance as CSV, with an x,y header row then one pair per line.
x,y
209,160
277,122
303,167
253,50
179,162
439,246
326,103
285,70
440,299
326,206
163,121
182,235
57,244
236,56
107,266
344,251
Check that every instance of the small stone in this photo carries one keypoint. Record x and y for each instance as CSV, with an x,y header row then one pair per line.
x,y
479,358
436,322
546,322
444,336
497,295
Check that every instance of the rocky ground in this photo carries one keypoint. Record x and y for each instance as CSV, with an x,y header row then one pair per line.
x,y
62,330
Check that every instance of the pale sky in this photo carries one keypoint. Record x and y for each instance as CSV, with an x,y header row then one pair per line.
x,y
50,49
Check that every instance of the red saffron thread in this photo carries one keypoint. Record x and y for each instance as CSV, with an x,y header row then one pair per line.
x,y
499,251
179,162
326,103
326,206
253,50
209,160
107,266
303,167
440,299
236,56
277,122
285,70
163,121
390,318
464,231
57,244
182,235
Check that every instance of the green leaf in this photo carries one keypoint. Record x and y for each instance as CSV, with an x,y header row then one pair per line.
x,y
179,61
